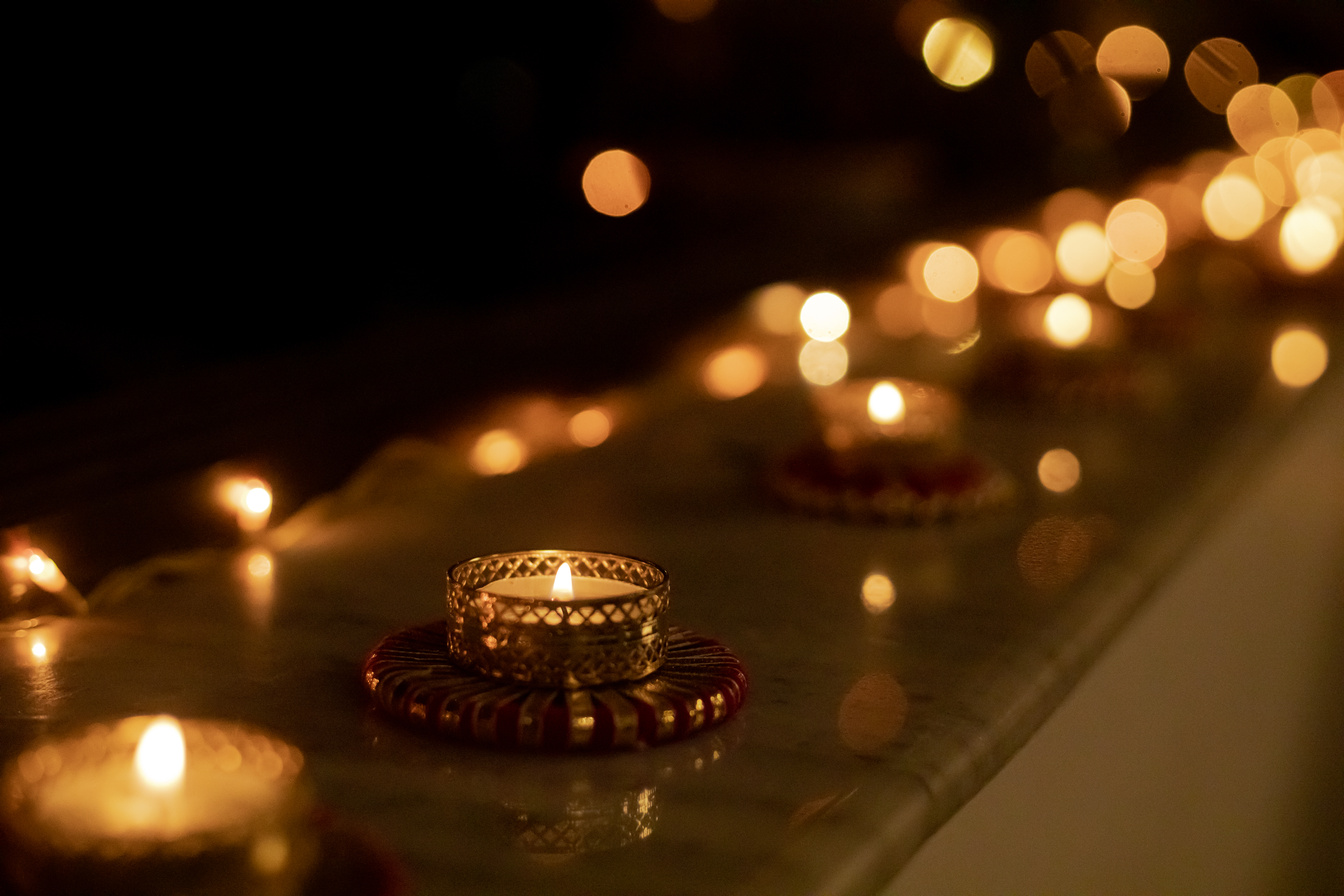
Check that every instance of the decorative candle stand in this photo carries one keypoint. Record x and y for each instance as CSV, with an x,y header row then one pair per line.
x,y
889,451
556,650
131,807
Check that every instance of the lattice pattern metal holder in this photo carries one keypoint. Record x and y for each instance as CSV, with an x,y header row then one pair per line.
x,y
573,643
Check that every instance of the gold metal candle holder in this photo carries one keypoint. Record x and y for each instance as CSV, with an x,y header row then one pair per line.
x,y
504,622
891,410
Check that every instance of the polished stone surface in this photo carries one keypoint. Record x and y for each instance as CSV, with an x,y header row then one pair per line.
x,y
866,726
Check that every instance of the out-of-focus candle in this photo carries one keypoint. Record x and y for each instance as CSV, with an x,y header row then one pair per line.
x,y
149,805
250,500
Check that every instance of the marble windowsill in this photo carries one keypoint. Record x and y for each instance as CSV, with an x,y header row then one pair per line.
x,y
863,732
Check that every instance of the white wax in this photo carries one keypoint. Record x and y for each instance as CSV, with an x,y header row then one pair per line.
x,y
540,587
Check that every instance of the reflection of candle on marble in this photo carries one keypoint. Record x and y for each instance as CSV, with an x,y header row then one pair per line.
x,y
143,802
564,585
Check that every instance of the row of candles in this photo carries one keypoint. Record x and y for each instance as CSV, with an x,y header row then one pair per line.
x,y
147,791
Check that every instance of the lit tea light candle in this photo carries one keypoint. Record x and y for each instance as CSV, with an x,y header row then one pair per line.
x,y
529,617
154,804
564,585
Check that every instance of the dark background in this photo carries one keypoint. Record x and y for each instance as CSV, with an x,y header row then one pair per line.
x,y
285,238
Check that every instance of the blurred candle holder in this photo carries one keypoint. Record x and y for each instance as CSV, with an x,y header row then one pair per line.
x,y
889,450
151,805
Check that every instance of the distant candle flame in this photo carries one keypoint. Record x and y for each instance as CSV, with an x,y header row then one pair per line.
x,y
38,650
563,589
250,498
44,573
161,755
1068,320
886,404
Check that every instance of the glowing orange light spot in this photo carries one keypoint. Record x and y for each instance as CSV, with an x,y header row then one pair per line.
x,y
878,593
684,10
777,307
1258,113
1059,470
1299,357
1021,263
1131,284
873,713
1309,237
259,564
823,363
616,183
590,427
950,320
958,53
497,452
1083,255
1327,100
950,273
898,311
885,403
161,754
250,500
1136,58
1068,320
1090,109
1233,206
734,372
38,649
1321,175
824,316
1136,230
1069,207
1216,69
1057,59
44,573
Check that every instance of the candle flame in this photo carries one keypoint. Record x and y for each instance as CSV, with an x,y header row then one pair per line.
x,y
161,755
44,573
563,589
886,404
38,649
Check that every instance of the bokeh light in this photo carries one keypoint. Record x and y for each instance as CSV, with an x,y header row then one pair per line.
x,y
1017,261
950,273
1056,59
1309,237
1216,69
616,183
949,320
1136,58
1258,113
589,427
1299,357
1068,320
777,306
878,593
734,371
1327,101
1054,552
898,310
684,10
497,452
823,363
1234,207
873,713
1091,109
1130,284
1069,206
958,53
1058,470
1082,254
885,403
824,316
1136,230
1321,175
